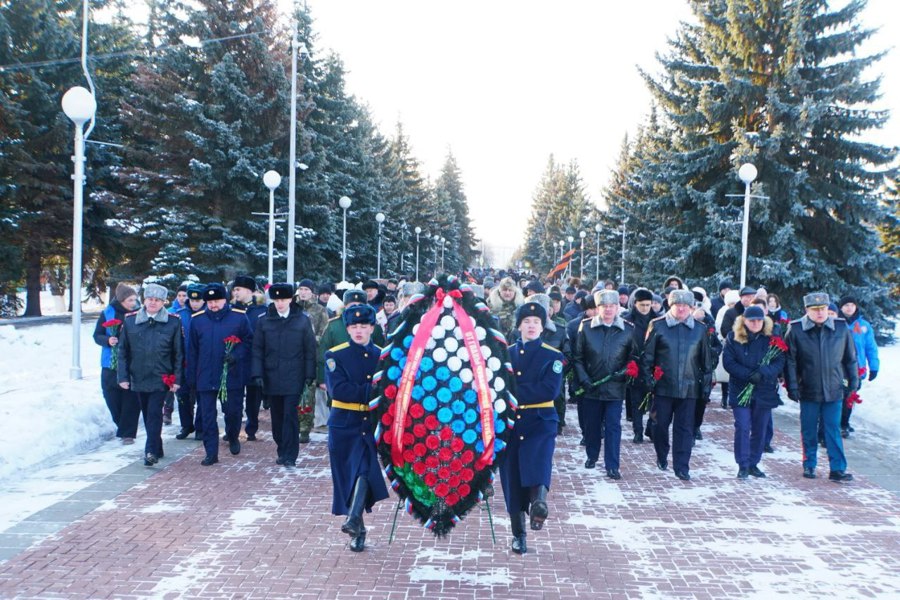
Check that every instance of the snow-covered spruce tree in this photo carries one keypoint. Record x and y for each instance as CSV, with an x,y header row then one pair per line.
x,y
454,212
778,84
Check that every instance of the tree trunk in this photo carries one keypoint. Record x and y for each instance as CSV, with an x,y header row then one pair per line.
x,y
32,282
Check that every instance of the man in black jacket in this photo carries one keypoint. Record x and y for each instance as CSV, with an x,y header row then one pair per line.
x,y
821,357
679,346
242,290
283,366
604,346
150,363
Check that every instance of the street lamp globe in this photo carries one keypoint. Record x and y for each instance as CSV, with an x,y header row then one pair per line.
x,y
418,230
380,218
79,105
345,202
597,228
747,173
582,235
271,179
571,239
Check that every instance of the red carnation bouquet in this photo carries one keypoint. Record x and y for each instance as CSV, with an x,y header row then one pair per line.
x,y
657,375
169,380
852,399
630,372
113,326
230,342
776,346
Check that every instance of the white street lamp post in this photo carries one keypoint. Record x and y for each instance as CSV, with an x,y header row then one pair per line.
x,y
562,251
344,203
380,219
569,268
597,228
622,272
582,235
271,179
435,238
418,231
747,174
443,241
79,105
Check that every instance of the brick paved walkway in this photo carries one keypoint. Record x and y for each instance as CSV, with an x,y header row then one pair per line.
x,y
246,528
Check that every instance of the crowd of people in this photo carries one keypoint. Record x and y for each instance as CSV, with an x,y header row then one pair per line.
x,y
308,352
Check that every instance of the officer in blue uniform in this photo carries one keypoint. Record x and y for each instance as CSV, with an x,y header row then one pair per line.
x,y
528,462
357,479
242,291
207,356
187,397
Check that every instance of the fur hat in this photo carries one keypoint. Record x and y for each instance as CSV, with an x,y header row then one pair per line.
x,y
642,295
281,291
244,281
215,291
531,309
124,292
604,297
354,295
681,297
816,299
154,290
195,291
360,313
542,299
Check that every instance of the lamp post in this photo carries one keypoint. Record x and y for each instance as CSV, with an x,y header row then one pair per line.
x,y
380,219
436,238
271,179
597,228
570,239
747,173
344,203
443,241
418,231
622,272
562,252
79,105
582,235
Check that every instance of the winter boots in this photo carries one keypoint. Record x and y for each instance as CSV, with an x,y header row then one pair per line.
x,y
517,524
539,510
354,526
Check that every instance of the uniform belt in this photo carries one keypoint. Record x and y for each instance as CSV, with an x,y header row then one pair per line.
x,y
350,406
541,405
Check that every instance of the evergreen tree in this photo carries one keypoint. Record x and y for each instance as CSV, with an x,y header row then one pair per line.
x,y
450,198
777,84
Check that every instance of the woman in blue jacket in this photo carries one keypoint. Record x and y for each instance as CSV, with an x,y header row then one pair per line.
x,y
866,350
745,348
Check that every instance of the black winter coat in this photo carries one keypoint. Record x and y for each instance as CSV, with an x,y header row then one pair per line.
x,y
150,348
284,352
602,350
731,314
682,351
820,359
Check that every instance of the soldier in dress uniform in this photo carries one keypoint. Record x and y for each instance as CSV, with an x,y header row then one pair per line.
x,y
187,397
355,473
207,356
603,347
528,461
242,290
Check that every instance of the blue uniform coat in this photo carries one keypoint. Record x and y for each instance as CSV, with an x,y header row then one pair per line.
x,y
528,460
206,349
351,444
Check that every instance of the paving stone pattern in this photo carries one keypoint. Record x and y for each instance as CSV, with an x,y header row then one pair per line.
x,y
247,528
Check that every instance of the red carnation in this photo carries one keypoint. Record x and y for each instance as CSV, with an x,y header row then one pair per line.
x,y
419,468
232,339
390,392
657,373
861,371
446,433
407,422
168,380
480,464
441,490
464,490
444,473
467,457
456,465
387,419
388,437
431,479
779,343
408,439
416,411
111,323
419,430
456,444
431,421
420,450
445,454
631,369
392,409
452,499
453,481
432,442
409,456
466,475
432,462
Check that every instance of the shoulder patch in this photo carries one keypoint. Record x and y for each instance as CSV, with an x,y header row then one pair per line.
x,y
331,364
239,310
339,347
557,367
549,347
198,313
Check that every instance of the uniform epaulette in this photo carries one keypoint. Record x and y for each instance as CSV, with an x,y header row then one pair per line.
x,y
333,319
581,326
243,311
132,313
339,347
627,322
198,313
549,347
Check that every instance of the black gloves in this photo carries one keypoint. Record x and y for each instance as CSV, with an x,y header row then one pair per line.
x,y
793,395
756,378
257,382
873,375
230,359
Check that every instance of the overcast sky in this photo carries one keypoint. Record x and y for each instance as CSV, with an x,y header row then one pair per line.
x,y
504,84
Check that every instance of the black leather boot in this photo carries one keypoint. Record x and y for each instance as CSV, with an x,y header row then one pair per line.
x,y
358,543
539,510
517,524
353,526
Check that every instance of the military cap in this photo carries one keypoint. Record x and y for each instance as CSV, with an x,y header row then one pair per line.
x,y
359,314
354,295
816,299
195,291
682,297
370,284
281,291
244,281
531,309
215,291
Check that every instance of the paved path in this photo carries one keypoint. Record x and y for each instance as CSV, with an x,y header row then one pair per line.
x,y
247,528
